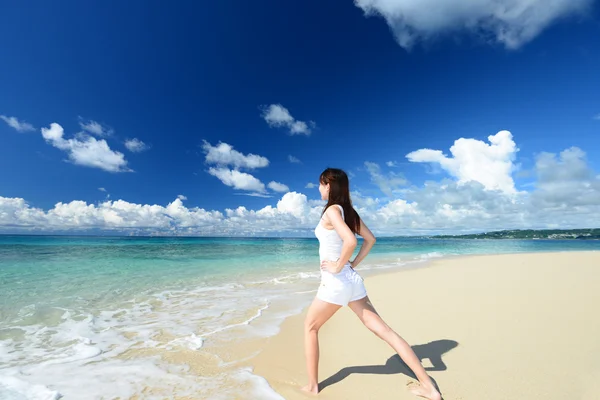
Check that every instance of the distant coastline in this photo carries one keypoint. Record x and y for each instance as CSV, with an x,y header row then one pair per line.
x,y
551,234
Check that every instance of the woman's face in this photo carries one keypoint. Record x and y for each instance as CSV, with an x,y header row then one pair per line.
x,y
324,190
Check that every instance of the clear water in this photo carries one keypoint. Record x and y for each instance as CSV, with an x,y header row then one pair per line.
x,y
78,314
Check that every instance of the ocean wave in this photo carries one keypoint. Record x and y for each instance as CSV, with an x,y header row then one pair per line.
x,y
129,337
12,388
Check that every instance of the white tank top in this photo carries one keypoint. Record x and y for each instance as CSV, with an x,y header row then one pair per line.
x,y
330,243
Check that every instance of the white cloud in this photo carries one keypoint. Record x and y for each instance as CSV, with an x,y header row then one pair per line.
x,y
509,22
292,215
20,126
102,189
295,204
474,160
237,180
86,150
386,183
109,215
254,194
294,160
566,195
362,202
95,128
299,127
310,185
565,182
136,145
278,116
464,206
224,155
278,187
398,211
391,164
317,203
54,134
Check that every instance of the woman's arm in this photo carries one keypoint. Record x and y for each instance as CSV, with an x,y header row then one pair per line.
x,y
369,241
334,215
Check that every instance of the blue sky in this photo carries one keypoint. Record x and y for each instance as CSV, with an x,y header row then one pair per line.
x,y
159,108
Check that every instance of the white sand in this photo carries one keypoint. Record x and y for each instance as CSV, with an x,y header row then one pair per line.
x,y
504,327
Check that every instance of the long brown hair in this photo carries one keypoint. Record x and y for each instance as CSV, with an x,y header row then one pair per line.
x,y
339,193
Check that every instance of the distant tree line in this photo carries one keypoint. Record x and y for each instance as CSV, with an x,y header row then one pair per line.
x,y
581,234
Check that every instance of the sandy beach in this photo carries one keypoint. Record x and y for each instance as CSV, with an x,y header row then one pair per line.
x,y
522,326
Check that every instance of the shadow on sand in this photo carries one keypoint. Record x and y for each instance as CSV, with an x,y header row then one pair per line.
x,y
394,365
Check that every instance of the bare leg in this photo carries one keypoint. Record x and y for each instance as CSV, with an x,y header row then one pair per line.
x,y
318,313
367,314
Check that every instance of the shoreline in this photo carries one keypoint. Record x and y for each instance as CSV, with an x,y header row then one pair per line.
x,y
343,374
209,339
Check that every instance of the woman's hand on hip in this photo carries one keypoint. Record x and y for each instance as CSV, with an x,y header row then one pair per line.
x,y
330,266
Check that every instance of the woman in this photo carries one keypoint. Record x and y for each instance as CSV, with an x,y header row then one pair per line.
x,y
341,285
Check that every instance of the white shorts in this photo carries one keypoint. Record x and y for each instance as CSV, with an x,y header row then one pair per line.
x,y
341,288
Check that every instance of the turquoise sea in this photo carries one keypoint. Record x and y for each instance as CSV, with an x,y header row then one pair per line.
x,y
117,317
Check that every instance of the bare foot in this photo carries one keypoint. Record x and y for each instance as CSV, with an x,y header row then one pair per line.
x,y
311,389
428,392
